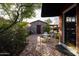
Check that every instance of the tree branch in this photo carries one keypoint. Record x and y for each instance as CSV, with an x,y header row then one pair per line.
x,y
16,17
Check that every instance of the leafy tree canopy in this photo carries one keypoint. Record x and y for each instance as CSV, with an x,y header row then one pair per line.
x,y
48,21
18,11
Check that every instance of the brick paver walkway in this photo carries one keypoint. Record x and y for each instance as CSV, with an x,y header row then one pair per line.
x,y
38,48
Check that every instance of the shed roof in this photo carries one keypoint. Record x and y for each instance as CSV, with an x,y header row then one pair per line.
x,y
38,21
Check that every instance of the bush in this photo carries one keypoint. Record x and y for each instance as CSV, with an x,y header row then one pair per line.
x,y
47,28
13,40
57,35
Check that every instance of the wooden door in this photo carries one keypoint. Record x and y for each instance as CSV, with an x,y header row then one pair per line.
x,y
70,27
70,31
38,29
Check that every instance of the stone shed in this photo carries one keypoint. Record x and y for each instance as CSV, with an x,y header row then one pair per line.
x,y
37,27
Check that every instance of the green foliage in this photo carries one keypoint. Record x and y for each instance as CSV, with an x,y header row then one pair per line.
x,y
13,40
48,21
22,24
4,23
47,28
57,35
18,11
25,10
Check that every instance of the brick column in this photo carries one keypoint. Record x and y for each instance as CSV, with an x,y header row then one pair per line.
x,y
77,28
60,28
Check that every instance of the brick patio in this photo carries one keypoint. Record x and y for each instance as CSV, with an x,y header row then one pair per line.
x,y
38,48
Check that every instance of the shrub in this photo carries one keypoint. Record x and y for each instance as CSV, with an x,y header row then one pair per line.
x,y
13,40
57,35
47,28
